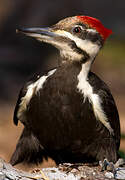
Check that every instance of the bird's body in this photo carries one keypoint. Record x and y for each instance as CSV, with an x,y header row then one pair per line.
x,y
69,114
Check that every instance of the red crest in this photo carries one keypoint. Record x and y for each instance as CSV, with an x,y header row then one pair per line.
x,y
96,24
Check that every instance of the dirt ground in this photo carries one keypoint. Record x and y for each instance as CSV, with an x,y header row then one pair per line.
x,y
9,133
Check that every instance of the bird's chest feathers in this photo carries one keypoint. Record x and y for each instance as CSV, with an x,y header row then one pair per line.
x,y
68,85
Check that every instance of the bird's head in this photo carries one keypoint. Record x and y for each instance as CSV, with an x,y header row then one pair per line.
x,y
78,38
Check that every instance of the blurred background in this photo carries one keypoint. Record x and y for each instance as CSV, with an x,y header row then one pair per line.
x,y
21,56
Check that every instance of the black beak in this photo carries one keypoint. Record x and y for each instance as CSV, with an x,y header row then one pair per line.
x,y
37,32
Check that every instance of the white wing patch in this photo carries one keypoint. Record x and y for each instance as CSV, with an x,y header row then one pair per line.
x,y
85,88
31,90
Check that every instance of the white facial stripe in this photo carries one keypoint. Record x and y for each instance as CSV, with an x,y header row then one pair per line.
x,y
86,45
85,88
31,90
92,30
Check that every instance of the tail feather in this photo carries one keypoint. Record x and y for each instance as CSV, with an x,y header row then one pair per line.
x,y
28,149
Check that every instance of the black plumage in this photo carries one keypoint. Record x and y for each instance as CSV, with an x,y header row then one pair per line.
x,y
59,122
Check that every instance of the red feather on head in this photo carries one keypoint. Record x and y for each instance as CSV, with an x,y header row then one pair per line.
x,y
96,24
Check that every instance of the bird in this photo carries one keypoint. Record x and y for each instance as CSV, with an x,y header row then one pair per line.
x,y
68,112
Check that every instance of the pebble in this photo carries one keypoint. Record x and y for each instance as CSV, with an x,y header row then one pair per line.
x,y
2,176
109,175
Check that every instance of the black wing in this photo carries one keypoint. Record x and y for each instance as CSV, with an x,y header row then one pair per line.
x,y
108,104
23,91
21,94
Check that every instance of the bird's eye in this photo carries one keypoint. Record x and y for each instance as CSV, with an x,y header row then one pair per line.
x,y
77,29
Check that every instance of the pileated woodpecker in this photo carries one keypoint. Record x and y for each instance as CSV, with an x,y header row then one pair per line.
x,y
68,113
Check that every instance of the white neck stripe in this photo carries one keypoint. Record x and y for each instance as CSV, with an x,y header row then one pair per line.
x,y
86,89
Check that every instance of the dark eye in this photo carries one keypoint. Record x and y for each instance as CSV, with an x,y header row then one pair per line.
x,y
77,29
